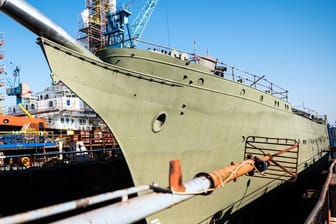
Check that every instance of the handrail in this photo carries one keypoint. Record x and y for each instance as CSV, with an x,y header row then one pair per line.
x,y
232,72
312,216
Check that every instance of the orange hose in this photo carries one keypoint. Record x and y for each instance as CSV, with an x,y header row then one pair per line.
x,y
227,174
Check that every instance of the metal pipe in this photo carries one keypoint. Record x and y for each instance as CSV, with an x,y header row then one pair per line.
x,y
35,21
140,207
71,205
312,216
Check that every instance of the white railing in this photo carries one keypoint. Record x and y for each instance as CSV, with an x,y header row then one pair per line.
x,y
224,70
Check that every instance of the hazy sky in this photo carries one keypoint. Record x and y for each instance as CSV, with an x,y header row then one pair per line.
x,y
292,42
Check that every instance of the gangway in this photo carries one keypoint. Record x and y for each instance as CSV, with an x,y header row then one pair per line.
x,y
155,197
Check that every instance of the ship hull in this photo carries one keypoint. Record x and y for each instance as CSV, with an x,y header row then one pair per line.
x,y
161,108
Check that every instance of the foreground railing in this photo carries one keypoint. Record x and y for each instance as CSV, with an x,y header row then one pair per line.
x,y
325,208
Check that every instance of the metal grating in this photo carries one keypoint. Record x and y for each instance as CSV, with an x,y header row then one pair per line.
x,y
284,153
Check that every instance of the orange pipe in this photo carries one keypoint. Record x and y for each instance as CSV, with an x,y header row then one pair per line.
x,y
223,175
175,176
227,174
286,150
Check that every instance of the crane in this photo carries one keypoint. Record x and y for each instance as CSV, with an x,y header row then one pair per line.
x,y
142,18
18,89
15,86
120,33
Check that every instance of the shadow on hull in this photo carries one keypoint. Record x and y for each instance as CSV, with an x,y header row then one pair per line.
x,y
35,188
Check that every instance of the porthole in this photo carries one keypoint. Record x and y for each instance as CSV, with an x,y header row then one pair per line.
x,y
200,81
261,98
276,103
159,122
242,92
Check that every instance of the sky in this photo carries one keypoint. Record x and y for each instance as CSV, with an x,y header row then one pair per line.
x,y
291,42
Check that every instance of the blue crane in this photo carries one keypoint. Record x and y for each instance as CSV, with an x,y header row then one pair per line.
x,y
15,88
120,33
142,18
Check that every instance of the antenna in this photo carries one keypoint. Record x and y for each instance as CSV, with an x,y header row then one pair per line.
x,y
195,47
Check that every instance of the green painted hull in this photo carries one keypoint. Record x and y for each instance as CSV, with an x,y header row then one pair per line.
x,y
160,109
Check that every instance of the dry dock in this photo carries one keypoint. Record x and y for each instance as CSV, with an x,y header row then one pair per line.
x,y
66,182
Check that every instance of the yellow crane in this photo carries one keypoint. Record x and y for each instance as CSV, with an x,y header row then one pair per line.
x,y
25,110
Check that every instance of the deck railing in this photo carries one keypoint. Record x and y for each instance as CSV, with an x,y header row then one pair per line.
x,y
224,70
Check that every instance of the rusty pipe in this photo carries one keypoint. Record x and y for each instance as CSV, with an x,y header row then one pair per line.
x,y
35,21
323,196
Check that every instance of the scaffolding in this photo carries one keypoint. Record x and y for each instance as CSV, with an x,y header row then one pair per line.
x,y
102,25
92,24
2,75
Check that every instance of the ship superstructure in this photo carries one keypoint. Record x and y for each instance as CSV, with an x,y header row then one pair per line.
x,y
60,107
164,104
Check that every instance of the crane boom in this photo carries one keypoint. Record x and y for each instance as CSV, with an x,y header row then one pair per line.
x,y
142,18
119,33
